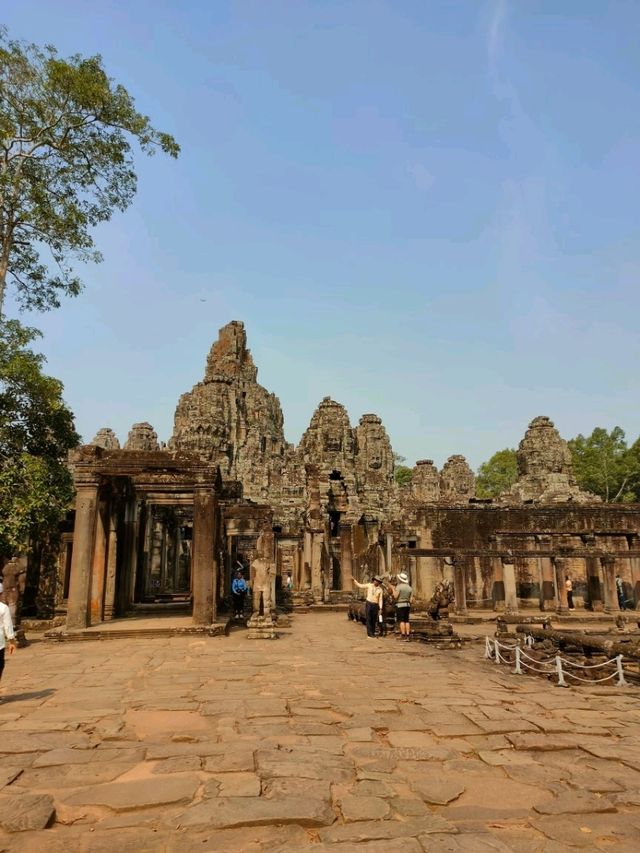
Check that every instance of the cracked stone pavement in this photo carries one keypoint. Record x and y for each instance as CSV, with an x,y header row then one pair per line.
x,y
321,740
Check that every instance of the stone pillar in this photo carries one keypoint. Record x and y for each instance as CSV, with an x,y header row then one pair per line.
x,y
547,585
510,590
388,542
98,565
317,546
498,584
594,584
81,558
346,558
460,586
305,579
110,584
611,604
203,557
635,579
560,566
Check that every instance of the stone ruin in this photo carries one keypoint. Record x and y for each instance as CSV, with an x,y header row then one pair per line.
x,y
336,510
545,471
141,437
107,439
457,481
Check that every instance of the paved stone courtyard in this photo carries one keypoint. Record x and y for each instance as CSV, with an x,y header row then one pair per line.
x,y
321,740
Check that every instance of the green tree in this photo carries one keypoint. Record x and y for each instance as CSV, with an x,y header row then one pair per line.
x,y
604,465
65,166
498,474
402,473
36,432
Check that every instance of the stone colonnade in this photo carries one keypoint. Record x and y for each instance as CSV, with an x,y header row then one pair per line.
x,y
113,490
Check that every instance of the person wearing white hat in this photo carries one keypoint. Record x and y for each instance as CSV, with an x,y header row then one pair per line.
x,y
403,593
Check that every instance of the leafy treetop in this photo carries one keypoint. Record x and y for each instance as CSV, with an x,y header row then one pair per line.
x,y
65,165
36,432
498,474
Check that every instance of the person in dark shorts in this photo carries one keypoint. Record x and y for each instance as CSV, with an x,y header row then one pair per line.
x,y
373,603
6,633
403,594
568,585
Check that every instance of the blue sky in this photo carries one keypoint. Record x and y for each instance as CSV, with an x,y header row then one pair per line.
x,y
427,210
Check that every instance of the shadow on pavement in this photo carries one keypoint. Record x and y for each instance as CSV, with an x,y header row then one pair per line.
x,y
23,697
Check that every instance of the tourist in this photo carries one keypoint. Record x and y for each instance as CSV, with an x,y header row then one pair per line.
x,y
288,581
6,633
373,603
238,592
385,607
403,594
620,592
568,585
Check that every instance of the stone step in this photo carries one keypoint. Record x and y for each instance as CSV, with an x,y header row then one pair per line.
x,y
216,630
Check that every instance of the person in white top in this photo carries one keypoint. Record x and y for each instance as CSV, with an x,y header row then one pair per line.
x,y
373,603
6,633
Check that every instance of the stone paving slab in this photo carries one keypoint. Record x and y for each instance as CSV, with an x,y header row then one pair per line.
x,y
319,741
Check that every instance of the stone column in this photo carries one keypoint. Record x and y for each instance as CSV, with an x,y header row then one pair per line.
x,y
560,570
594,584
460,586
388,542
112,554
317,546
547,586
98,565
204,560
305,578
81,558
634,563
611,604
510,590
346,558
498,584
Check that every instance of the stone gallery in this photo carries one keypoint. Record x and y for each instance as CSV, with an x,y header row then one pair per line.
x,y
158,523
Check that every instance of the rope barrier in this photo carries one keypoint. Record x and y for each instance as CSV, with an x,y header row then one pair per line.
x,y
492,652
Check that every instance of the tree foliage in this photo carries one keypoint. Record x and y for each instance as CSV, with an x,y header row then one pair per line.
x,y
498,474
36,432
65,165
402,473
604,465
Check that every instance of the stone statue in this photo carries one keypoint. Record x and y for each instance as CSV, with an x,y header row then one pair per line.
x,y
442,597
263,571
262,574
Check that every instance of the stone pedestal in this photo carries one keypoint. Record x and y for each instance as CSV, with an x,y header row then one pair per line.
x,y
261,628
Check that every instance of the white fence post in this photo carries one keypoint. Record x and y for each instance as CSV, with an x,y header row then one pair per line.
x,y
496,646
517,670
561,681
488,653
621,680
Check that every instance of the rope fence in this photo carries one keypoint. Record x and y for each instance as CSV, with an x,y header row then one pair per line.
x,y
560,667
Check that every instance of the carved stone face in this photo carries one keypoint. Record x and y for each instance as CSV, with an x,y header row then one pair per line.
x,y
332,443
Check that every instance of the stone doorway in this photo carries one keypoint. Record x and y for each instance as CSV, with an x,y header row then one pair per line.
x,y
166,560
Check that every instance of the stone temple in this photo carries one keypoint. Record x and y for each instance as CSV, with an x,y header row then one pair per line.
x,y
169,523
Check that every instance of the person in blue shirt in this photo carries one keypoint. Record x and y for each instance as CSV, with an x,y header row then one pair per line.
x,y
238,592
